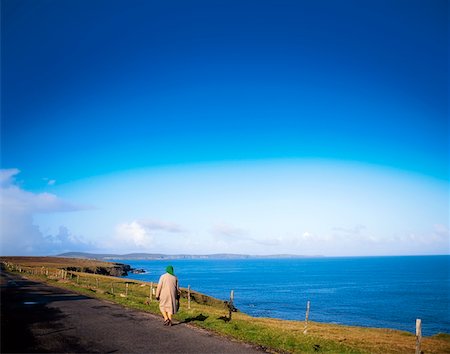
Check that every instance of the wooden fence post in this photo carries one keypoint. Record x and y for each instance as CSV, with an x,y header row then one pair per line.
x,y
126,289
308,305
78,279
112,288
418,335
189,297
151,291
230,304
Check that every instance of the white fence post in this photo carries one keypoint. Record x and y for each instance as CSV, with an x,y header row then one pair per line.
x,y
189,297
418,335
308,305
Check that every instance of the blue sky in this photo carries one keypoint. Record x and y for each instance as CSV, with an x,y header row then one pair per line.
x,y
214,125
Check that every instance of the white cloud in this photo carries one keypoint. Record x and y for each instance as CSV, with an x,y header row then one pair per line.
x,y
228,238
435,240
49,181
15,198
63,241
359,239
142,235
20,235
441,231
159,225
134,235
264,209
308,236
7,176
229,233
357,233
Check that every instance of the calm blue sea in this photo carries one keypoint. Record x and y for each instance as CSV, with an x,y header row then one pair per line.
x,y
389,292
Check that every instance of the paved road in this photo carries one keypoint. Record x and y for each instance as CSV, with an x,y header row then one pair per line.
x,y
40,318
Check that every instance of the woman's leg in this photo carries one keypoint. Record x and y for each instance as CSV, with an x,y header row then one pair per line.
x,y
164,313
169,316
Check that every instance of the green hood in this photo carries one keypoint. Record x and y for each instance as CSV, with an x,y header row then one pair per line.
x,y
169,270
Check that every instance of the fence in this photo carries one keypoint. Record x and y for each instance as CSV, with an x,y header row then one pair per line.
x,y
143,292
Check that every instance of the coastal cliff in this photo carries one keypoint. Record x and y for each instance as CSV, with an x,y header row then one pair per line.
x,y
115,270
72,264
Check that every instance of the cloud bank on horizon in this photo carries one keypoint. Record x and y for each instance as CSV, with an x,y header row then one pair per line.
x,y
202,127
255,208
20,234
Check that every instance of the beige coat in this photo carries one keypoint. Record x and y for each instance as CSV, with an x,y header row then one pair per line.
x,y
167,292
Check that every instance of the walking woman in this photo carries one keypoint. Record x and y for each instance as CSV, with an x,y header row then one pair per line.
x,y
168,294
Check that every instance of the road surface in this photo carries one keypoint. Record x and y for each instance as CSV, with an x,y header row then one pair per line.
x,y
36,317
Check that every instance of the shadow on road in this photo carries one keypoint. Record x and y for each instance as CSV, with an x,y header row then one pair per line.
x,y
21,309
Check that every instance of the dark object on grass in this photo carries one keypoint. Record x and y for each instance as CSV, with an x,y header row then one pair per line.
x,y
316,347
200,318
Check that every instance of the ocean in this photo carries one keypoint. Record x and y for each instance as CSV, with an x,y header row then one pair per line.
x,y
386,292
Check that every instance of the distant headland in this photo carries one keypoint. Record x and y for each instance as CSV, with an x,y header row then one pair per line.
x,y
158,256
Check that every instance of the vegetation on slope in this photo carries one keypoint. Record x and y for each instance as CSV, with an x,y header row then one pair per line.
x,y
71,264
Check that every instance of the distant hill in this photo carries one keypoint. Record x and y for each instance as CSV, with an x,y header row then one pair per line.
x,y
156,256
